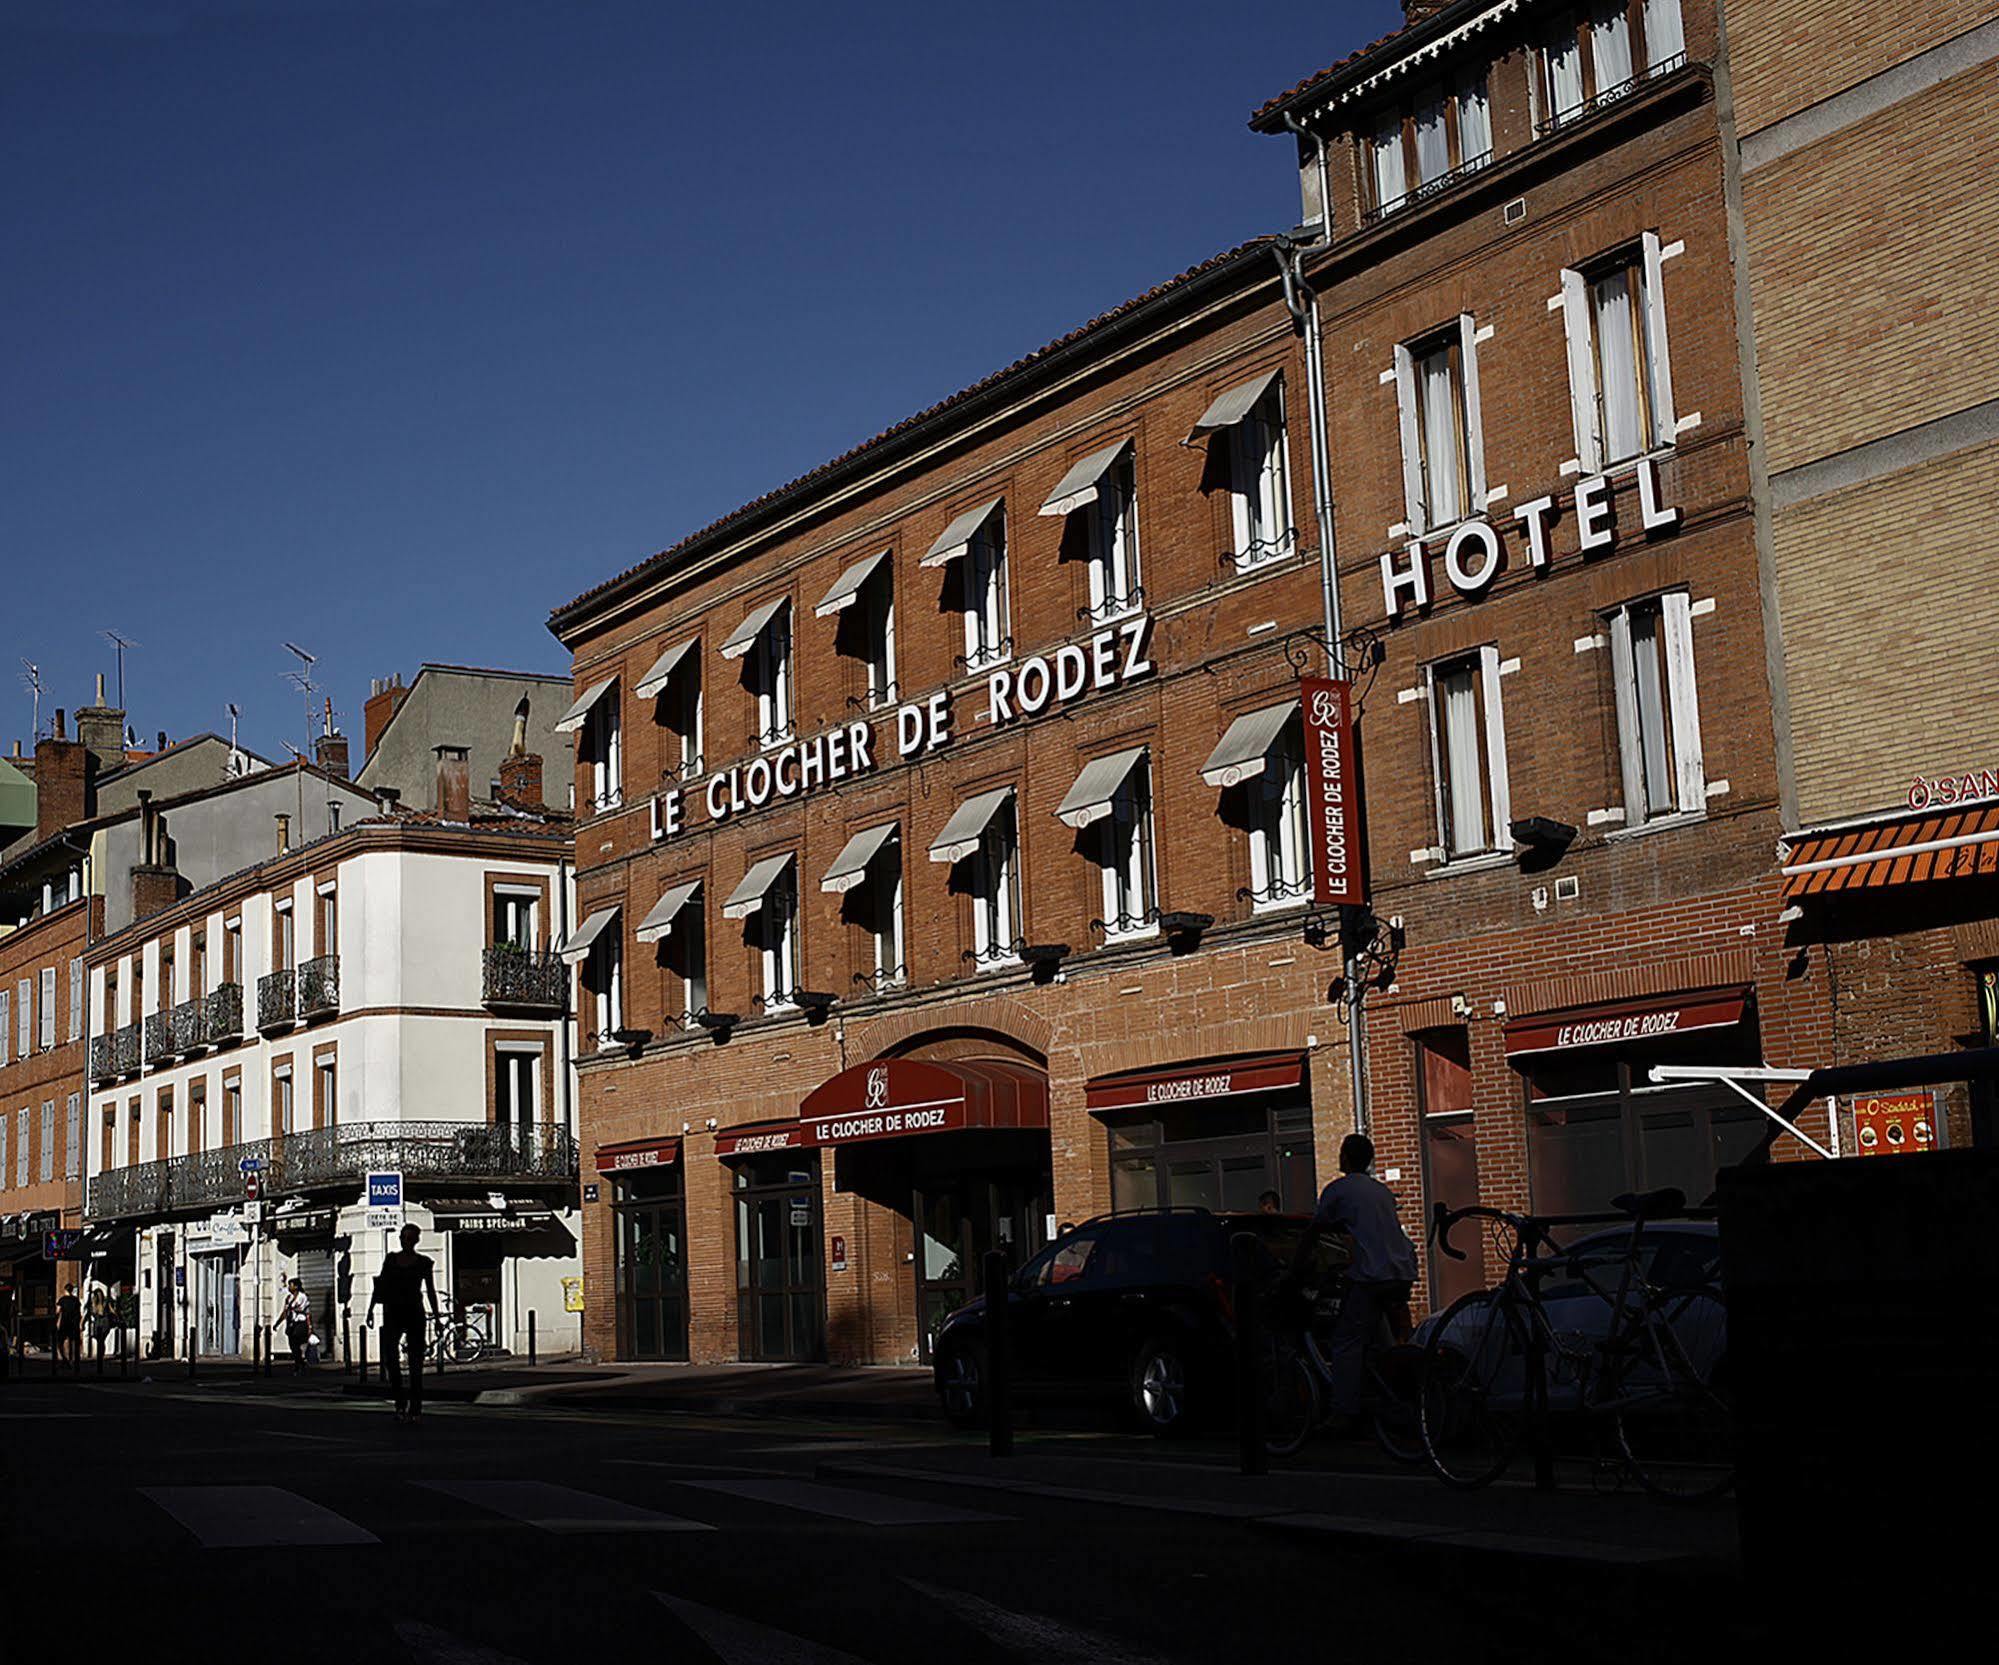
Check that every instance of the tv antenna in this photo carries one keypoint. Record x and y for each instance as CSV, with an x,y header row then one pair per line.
x,y
31,676
301,679
121,643
239,765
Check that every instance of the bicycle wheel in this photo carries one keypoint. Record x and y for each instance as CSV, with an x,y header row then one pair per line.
x,y
1675,1425
1394,1374
1290,1403
464,1345
1471,1394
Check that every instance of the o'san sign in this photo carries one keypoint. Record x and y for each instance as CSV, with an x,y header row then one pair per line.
x,y
1329,790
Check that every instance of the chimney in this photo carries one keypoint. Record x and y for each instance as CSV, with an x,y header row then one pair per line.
x,y
65,782
329,751
155,883
162,742
387,799
101,728
284,833
385,695
454,783
519,785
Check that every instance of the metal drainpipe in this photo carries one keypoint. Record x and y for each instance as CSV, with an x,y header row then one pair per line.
x,y
1303,305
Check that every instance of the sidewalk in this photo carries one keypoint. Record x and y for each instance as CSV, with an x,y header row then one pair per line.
x,y
800,1390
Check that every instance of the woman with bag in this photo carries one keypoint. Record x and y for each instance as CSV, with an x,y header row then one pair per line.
x,y
295,1316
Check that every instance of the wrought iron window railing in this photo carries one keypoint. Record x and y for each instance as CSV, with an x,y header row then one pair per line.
x,y
102,1067
187,1029
1121,924
319,987
277,999
1279,890
222,1013
343,1155
1604,97
992,653
1114,607
1429,188
1261,551
159,1035
513,976
127,1053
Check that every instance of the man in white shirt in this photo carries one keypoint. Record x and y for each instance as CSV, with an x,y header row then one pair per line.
x,y
1379,1274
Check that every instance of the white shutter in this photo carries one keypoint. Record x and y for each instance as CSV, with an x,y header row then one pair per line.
x,y
1495,745
1412,442
48,1008
1630,744
6,1029
1582,370
72,1150
24,1016
1474,420
76,1000
1436,754
1690,768
1656,350
45,1161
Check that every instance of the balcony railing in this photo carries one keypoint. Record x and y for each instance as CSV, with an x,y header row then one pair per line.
x,y
187,1035
325,1157
319,987
125,1052
222,1013
524,980
277,1000
159,1035
101,1066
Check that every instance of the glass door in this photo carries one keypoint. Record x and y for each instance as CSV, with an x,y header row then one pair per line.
x,y
947,1268
652,1281
780,1274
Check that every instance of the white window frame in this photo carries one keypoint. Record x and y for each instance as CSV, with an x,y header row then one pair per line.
x,y
48,1014
1112,530
1679,724
877,622
988,605
995,886
1651,354
1456,346
23,1129
45,1157
512,1062
287,939
603,978
1496,796
6,1029
687,953
775,928
770,668
604,747
1280,874
73,1142
1128,859
514,906
284,1101
883,889
75,1000
326,1090
1260,483
24,1017
1390,166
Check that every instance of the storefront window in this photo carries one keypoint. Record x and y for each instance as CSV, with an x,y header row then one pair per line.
x,y
1218,1155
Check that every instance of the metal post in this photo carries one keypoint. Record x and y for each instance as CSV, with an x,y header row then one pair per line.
x,y
100,1349
531,1358
346,1344
191,1344
1537,1409
362,1379
1251,1457
999,1359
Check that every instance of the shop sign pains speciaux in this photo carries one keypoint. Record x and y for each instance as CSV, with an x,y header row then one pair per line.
x,y
1474,554
1014,691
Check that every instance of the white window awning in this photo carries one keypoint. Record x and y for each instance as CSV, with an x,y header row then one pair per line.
x,y
1078,488
579,713
956,538
1246,746
749,896
744,636
576,948
658,924
1233,405
663,668
847,588
850,867
1100,782
968,824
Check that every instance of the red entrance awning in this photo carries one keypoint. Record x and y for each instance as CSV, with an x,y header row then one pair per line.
x,y
1958,844
1227,1078
897,1097
637,1153
1626,1020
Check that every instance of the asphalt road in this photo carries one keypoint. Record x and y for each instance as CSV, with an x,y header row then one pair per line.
x,y
143,1524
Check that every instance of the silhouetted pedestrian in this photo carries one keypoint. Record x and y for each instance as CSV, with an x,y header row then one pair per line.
x,y
401,1288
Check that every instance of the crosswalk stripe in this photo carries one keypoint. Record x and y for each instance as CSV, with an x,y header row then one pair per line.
x,y
561,1508
868,1508
244,1517
1032,1634
737,1641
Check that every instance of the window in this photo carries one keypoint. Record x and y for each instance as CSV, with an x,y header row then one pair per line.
x,y
687,954
23,1131
1279,873
3,1148
1620,365
767,668
1658,708
1665,36
988,634
197,968
603,983
680,712
45,1167
874,902
1259,482
232,1110
329,920
197,1115
514,918
281,1094
994,874
603,751
516,1086
1444,1094
75,1000
1468,755
1420,149
1590,61
1112,529
163,1126
325,1093
232,952
773,933
287,938
72,1148
1443,449
24,1008
874,619
6,1025
1124,851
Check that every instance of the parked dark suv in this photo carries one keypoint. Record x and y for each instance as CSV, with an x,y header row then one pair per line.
x,y
1134,1309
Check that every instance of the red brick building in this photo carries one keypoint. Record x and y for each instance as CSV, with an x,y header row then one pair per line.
x,y
944,868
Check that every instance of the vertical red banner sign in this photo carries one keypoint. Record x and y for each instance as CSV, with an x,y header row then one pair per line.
x,y
1331,790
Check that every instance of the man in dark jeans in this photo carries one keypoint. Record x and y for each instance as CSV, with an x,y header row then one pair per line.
x,y
401,1288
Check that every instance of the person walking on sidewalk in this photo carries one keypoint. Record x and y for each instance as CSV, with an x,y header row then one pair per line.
x,y
1379,1275
69,1327
295,1318
401,1288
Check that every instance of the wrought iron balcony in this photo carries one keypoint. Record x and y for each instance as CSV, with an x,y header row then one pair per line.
x,y
159,1035
323,1158
125,1051
102,1068
277,1000
187,1035
319,987
222,1013
523,980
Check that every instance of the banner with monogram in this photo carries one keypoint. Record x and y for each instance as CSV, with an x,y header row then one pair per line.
x,y
895,1097
1331,796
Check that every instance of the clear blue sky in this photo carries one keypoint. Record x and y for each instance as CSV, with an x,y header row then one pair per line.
x,y
385,327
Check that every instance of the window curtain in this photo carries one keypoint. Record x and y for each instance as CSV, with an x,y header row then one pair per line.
x,y
1610,44
1433,142
1623,425
1464,795
1441,446
1665,39
1648,672
1390,182
1565,77
1474,124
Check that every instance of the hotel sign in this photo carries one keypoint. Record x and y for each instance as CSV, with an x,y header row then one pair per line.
x,y
1329,790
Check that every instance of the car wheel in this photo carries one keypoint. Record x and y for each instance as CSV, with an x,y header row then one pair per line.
x,y
961,1385
1161,1390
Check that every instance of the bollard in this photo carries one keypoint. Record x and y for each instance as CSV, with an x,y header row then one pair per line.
x,y
190,1352
267,1349
531,1337
125,1345
346,1345
1537,1408
1251,1456
100,1352
362,1379
999,1359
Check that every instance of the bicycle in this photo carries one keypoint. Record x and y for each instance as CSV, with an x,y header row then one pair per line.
x,y
456,1340
1496,1361
1298,1382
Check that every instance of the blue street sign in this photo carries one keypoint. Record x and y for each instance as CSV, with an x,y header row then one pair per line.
x,y
385,1190
250,1165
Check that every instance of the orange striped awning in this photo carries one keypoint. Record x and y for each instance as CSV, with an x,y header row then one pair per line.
x,y
1952,844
